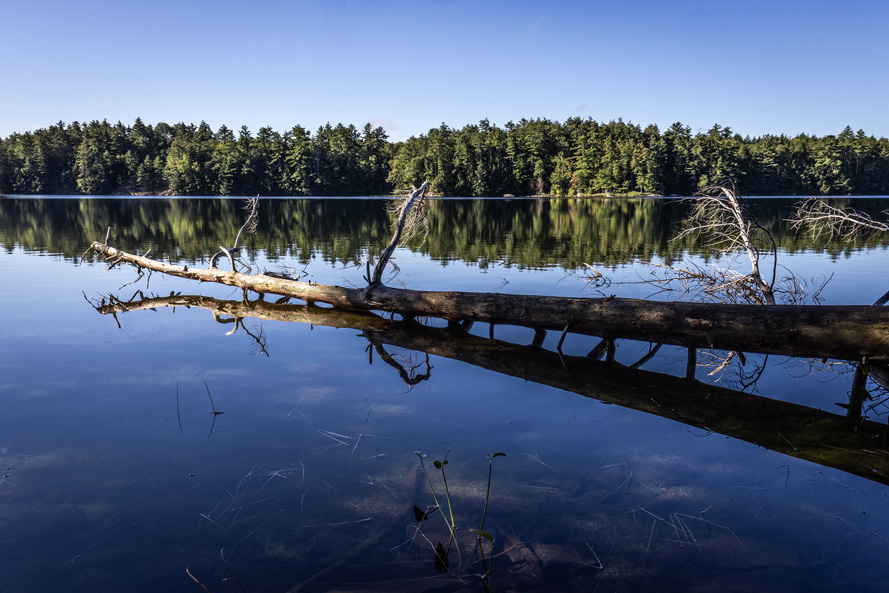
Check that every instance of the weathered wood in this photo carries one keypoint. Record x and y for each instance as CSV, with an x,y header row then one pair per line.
x,y
415,198
796,430
836,331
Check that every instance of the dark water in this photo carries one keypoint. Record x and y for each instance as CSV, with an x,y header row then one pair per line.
x,y
137,447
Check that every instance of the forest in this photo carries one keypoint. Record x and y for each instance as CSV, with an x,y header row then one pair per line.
x,y
539,157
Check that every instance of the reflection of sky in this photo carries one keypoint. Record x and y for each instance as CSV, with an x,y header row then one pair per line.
x,y
91,433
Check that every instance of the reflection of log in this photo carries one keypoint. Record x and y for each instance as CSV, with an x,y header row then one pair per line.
x,y
843,332
793,429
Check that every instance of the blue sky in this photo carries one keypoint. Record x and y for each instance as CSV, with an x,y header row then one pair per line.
x,y
759,67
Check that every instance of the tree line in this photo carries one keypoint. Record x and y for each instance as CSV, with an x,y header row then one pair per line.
x,y
537,157
191,160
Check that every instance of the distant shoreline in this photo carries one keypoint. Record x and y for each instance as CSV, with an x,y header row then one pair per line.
x,y
576,158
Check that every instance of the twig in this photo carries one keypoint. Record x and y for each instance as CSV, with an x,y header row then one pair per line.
x,y
215,413
788,442
188,572
704,515
211,397
230,571
596,556
73,560
252,208
651,352
650,537
82,257
562,339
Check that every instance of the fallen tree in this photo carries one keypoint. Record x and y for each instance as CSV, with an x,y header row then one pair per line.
x,y
851,444
843,332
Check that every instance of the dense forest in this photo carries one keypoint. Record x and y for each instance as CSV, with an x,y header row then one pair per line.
x,y
532,157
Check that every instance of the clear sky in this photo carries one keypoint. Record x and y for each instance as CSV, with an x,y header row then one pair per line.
x,y
759,67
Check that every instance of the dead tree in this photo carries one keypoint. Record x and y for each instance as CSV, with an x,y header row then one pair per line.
x,y
819,218
410,219
252,208
722,216
848,332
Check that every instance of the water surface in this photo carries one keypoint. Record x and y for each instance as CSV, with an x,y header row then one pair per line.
x,y
138,446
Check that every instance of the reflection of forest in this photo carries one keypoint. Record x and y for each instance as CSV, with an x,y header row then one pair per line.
x,y
522,232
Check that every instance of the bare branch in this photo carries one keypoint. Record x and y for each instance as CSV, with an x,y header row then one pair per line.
x,y
416,220
230,571
819,218
407,368
723,284
723,217
251,206
416,197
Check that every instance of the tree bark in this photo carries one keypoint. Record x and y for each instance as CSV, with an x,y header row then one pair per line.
x,y
843,332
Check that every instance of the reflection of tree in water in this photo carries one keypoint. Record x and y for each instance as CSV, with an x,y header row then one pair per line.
x,y
735,370
868,392
524,233
407,363
815,435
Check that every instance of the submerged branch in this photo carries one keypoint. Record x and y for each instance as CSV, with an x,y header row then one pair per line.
x,y
721,284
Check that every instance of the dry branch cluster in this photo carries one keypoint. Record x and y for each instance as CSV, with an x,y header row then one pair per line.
x,y
820,219
411,219
721,215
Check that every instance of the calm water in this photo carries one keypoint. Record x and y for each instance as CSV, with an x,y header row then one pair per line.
x,y
137,447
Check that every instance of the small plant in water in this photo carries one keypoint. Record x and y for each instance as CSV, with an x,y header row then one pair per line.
x,y
442,551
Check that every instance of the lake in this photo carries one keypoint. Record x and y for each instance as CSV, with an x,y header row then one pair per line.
x,y
152,441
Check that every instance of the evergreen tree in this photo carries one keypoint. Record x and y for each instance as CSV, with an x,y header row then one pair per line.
x,y
298,180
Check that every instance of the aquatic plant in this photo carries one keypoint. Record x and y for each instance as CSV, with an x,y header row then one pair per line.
x,y
442,551
480,532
